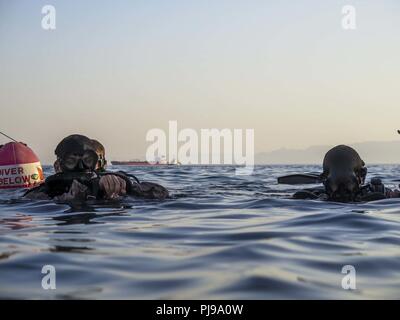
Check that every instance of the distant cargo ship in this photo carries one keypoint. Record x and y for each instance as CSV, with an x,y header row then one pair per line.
x,y
159,162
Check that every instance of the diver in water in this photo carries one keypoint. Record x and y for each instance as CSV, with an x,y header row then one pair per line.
x,y
81,175
343,179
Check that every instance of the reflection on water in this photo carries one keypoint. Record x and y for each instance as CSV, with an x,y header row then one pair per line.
x,y
219,236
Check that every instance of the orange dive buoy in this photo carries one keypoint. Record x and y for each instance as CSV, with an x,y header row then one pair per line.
x,y
19,167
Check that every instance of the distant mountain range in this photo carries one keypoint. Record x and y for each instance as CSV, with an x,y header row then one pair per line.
x,y
372,152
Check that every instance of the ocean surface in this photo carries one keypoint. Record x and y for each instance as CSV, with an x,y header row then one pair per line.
x,y
220,236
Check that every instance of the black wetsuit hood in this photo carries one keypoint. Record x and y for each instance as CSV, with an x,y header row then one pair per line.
x,y
75,143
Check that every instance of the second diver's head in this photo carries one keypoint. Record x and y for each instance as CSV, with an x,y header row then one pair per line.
x,y
344,173
76,153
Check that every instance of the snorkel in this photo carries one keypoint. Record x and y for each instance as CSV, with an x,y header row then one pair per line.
x,y
101,153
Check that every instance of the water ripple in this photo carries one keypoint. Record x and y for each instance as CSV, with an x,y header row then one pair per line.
x,y
219,236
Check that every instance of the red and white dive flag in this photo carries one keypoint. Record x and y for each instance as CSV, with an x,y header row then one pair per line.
x,y
19,167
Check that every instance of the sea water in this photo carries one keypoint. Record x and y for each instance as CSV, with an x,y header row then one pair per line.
x,y
219,236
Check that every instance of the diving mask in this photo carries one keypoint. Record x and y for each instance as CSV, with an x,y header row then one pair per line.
x,y
79,162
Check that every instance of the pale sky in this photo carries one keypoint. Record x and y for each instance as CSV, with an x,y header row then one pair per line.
x,y
115,69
